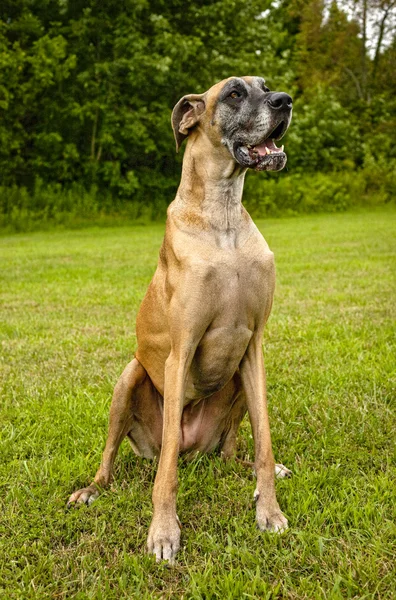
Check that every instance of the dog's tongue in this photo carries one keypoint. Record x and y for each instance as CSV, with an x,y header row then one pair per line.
x,y
270,144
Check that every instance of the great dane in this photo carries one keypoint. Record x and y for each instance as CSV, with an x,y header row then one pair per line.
x,y
199,364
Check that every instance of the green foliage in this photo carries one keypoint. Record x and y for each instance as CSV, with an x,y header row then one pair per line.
x,y
321,139
375,185
87,88
93,86
50,205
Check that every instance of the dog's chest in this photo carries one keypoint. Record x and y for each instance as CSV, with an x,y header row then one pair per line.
x,y
237,283
238,296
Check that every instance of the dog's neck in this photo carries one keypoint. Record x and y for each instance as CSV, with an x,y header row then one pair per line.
x,y
210,191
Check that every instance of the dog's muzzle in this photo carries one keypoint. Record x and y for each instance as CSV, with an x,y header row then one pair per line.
x,y
264,155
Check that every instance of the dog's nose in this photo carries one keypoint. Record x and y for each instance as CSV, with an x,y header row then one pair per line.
x,y
279,100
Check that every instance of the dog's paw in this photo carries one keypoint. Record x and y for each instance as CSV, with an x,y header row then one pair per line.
x,y
84,496
282,472
164,538
273,521
269,518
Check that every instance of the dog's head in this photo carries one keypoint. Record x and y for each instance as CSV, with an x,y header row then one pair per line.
x,y
244,115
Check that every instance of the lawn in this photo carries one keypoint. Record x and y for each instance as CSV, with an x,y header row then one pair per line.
x,y
69,302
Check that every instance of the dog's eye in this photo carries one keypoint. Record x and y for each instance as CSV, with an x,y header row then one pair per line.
x,y
235,95
266,89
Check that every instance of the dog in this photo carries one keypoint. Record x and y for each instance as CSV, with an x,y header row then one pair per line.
x,y
199,364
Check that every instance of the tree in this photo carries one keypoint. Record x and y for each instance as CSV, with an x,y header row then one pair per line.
x,y
87,86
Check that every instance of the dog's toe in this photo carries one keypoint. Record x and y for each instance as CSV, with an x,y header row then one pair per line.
x,y
274,522
84,496
164,539
282,472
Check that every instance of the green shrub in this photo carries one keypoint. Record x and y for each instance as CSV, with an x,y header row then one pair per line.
x,y
320,192
265,195
51,205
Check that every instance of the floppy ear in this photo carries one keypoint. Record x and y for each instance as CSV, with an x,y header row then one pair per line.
x,y
185,115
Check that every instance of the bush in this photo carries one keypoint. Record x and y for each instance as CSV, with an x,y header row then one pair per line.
x,y
272,195
320,192
51,205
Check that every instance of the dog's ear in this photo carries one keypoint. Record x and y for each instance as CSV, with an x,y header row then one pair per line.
x,y
186,115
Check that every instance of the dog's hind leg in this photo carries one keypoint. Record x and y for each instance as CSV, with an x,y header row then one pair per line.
x,y
228,443
122,414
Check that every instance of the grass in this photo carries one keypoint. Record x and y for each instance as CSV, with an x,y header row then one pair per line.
x,y
69,302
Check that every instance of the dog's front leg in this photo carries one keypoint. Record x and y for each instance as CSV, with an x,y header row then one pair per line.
x,y
164,533
268,514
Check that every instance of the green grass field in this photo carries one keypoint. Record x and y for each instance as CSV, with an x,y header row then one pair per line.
x,y
69,302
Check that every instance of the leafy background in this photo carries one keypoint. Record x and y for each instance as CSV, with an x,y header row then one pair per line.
x,y
87,87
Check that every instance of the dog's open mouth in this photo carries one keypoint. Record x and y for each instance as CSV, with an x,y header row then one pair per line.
x,y
267,147
264,156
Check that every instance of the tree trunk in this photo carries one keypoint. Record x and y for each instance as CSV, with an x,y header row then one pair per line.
x,y
94,133
364,50
380,38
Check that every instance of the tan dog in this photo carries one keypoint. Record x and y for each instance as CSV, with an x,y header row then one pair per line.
x,y
199,364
